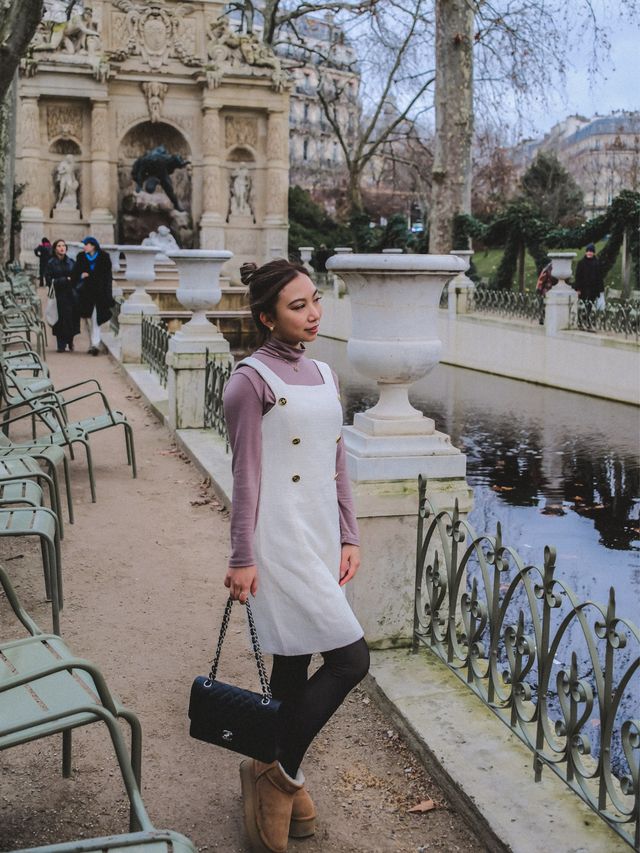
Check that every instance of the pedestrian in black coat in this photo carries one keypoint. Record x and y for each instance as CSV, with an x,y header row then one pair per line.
x,y
589,281
58,274
92,280
43,253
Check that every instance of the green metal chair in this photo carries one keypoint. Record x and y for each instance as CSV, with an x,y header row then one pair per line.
x,y
46,690
43,523
16,458
152,841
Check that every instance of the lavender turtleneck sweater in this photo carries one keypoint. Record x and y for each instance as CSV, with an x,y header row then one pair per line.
x,y
247,397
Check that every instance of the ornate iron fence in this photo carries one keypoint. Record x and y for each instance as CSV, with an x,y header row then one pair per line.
x,y
155,345
507,303
564,675
114,322
618,318
216,375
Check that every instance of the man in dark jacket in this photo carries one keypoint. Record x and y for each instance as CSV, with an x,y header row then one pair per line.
x,y
589,281
92,281
43,254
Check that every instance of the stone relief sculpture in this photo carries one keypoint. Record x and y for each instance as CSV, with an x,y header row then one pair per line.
x,y
154,92
156,33
154,169
229,50
78,36
240,187
67,184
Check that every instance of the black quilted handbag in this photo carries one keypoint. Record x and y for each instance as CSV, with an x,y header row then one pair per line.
x,y
229,716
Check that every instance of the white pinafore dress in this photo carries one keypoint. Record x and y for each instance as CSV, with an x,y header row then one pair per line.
x,y
300,607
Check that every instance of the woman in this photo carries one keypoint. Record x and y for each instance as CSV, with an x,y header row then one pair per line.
x,y
92,280
294,538
58,274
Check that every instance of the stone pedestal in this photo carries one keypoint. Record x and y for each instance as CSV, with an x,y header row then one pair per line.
x,y
394,300
140,272
560,300
197,340
461,287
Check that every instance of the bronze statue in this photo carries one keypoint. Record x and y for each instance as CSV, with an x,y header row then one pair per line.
x,y
155,168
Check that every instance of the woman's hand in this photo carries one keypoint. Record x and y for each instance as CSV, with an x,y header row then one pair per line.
x,y
349,563
241,581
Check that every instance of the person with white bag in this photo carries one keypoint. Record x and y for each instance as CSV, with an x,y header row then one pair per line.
x,y
61,312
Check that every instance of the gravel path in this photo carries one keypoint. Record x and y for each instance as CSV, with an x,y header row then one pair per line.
x,y
143,571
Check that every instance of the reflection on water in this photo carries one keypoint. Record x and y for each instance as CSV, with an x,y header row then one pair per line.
x,y
553,467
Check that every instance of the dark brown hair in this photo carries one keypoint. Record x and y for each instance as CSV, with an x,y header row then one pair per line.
x,y
55,243
265,284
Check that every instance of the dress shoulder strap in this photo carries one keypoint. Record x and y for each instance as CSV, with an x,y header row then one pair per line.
x,y
272,379
326,373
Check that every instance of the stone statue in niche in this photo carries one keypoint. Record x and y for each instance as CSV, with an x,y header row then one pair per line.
x,y
154,92
67,184
163,240
240,186
154,169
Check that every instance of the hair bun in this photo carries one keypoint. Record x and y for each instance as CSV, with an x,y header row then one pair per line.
x,y
246,271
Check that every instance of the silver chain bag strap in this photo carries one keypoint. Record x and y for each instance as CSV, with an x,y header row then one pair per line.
x,y
230,716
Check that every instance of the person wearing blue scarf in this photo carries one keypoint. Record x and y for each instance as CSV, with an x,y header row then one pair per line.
x,y
92,281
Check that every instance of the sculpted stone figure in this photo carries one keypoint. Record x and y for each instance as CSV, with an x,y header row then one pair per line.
x,y
163,239
155,168
79,35
67,183
240,193
228,49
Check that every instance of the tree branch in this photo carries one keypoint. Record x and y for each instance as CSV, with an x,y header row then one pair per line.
x,y
19,20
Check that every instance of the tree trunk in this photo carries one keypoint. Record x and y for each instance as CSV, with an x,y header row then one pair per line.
x,y
18,22
451,174
7,161
521,259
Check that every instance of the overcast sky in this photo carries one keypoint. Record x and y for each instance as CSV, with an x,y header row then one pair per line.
x,y
615,87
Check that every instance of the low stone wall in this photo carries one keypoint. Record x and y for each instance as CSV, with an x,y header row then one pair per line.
x,y
599,365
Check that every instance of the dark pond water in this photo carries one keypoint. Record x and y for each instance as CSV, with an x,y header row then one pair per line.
x,y
554,468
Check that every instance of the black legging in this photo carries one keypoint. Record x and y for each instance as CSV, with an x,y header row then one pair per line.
x,y
307,703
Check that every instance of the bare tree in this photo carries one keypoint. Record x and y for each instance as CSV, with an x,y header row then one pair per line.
x,y
18,22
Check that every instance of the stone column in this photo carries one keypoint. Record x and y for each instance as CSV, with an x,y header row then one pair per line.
x,y
30,173
101,219
199,291
277,192
140,271
214,198
561,299
394,300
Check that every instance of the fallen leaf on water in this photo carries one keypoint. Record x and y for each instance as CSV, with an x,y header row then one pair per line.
x,y
423,806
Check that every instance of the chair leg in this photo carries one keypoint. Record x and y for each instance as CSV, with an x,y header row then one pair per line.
x,y
54,499
66,753
92,482
67,485
129,432
56,585
46,567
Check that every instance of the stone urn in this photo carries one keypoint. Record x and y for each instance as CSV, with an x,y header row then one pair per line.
x,y
561,269
305,256
461,287
199,288
395,341
140,272
114,253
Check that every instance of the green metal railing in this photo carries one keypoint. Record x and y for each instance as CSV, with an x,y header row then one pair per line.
x,y
507,303
618,318
155,346
562,674
217,374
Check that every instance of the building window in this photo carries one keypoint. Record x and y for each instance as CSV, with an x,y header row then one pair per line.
x,y
305,150
306,111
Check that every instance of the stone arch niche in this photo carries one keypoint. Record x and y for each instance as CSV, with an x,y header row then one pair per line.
x,y
141,211
242,185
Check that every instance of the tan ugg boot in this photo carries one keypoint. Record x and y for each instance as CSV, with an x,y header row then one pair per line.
x,y
303,815
268,793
